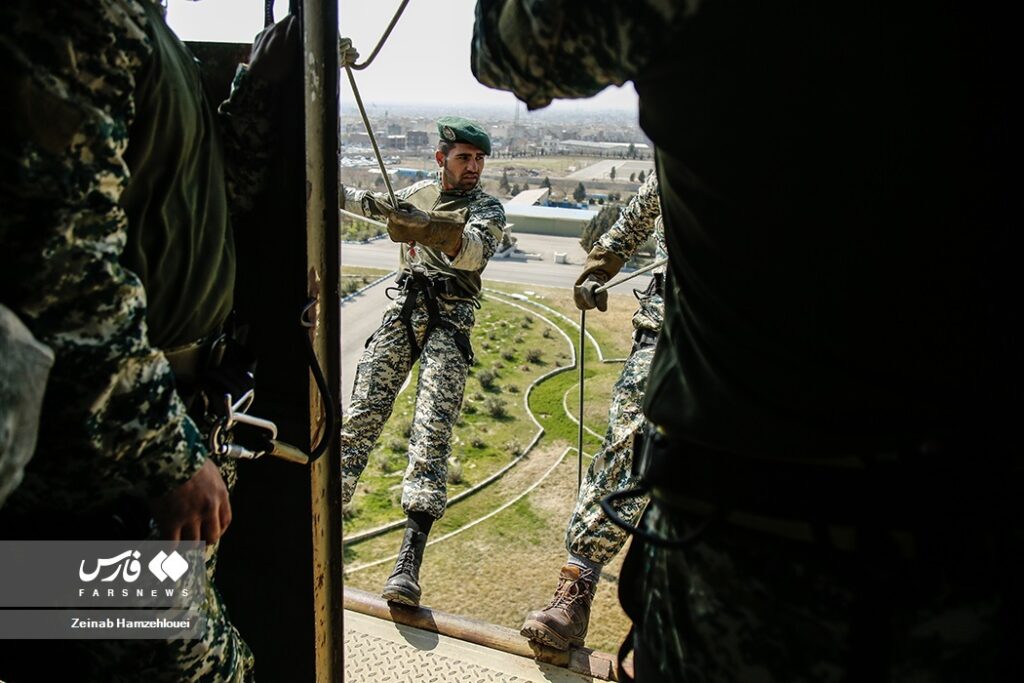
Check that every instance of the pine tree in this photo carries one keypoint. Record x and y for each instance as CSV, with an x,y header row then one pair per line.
x,y
632,177
526,185
640,177
611,174
503,185
515,189
580,193
546,183
631,151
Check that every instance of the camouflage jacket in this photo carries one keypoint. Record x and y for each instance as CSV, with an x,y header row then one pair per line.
x,y
546,49
113,422
480,238
638,221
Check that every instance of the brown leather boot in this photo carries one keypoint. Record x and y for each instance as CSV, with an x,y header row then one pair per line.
x,y
564,621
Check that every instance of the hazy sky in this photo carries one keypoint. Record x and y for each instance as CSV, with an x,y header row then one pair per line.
x,y
426,58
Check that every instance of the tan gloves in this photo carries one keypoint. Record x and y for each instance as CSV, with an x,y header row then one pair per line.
x,y
601,266
347,55
438,229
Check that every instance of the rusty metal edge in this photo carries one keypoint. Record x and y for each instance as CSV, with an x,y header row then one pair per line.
x,y
598,665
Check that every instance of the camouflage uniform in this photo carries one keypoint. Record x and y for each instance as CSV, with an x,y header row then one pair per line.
x,y
590,535
113,424
389,357
786,174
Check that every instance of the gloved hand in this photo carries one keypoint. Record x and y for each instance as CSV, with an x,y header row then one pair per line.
x,y
276,52
347,55
601,266
437,229
376,205
587,298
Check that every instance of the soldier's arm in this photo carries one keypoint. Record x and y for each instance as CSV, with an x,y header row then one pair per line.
x,y
481,235
63,233
546,49
636,222
371,204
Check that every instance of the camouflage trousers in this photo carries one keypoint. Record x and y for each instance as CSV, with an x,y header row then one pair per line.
x,y
741,605
383,367
590,534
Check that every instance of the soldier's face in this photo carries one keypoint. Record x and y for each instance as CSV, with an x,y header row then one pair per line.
x,y
461,169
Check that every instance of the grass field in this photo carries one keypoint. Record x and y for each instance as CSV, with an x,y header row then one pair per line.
x,y
499,565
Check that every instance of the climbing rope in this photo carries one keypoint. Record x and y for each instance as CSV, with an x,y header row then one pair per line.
x,y
581,354
412,255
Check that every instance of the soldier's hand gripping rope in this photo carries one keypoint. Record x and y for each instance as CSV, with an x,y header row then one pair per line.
x,y
591,291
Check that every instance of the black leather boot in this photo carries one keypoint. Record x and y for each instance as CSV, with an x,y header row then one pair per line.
x,y
403,585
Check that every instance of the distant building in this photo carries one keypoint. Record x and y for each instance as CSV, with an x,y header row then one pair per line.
x,y
414,139
588,147
540,196
394,129
544,220
395,142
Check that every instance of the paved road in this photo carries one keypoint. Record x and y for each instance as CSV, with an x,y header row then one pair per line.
x,y
361,316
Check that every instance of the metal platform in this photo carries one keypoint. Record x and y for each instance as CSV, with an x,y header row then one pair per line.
x,y
385,644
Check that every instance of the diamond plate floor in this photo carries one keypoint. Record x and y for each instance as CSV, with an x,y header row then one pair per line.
x,y
380,651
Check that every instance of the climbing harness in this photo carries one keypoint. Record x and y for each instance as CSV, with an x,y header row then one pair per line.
x,y
416,284
581,355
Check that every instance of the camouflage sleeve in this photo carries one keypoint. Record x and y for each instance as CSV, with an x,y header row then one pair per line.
x,y
246,130
546,49
110,394
482,234
636,223
364,202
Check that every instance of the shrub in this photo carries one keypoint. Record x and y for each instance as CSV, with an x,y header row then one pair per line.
x,y
546,333
405,427
454,471
477,442
486,379
534,355
496,408
396,445
512,389
514,448
349,512
519,339
508,355
469,409
527,320
477,396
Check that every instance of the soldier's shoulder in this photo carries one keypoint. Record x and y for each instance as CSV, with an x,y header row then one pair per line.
x,y
483,201
420,186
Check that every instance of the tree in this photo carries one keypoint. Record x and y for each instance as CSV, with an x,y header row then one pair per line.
x,y
598,225
580,193
632,177
611,173
631,152
640,177
526,185
515,189
503,185
546,182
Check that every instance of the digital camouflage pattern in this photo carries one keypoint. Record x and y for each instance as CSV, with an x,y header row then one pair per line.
x,y
388,358
382,370
590,534
481,237
113,424
641,218
737,605
546,49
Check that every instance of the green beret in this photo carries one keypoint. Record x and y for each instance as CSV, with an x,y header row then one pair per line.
x,y
458,129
